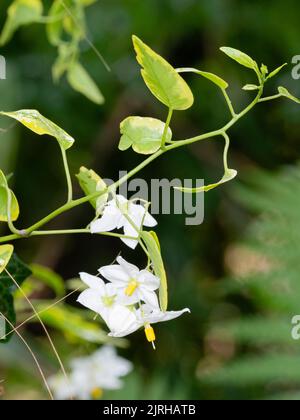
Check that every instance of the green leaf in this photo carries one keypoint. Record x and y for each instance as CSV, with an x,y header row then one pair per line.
x,y
54,29
240,57
49,278
82,82
14,209
153,247
20,12
19,271
90,183
284,92
217,80
162,79
228,176
276,71
37,123
144,134
6,252
250,87
62,63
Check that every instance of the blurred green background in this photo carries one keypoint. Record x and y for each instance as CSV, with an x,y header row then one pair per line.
x,y
238,272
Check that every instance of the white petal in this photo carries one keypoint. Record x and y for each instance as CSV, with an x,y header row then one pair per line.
x,y
129,268
91,299
115,274
110,290
93,282
121,321
108,222
149,280
138,214
165,316
149,297
149,220
129,230
123,299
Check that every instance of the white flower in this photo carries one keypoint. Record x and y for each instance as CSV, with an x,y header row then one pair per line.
x,y
132,284
99,297
91,375
122,213
144,317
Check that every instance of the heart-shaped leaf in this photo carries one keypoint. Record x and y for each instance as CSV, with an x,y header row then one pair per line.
x,y
144,134
228,176
162,79
240,57
153,247
20,12
90,183
14,208
39,124
217,80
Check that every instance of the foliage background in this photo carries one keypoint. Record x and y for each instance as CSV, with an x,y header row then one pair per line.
x,y
192,361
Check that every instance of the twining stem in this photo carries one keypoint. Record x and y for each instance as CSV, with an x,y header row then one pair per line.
x,y
31,231
225,153
68,175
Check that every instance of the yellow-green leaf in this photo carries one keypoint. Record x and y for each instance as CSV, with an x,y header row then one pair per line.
x,y
284,92
144,134
20,12
71,322
153,247
90,183
37,123
240,57
81,81
228,176
55,27
6,252
162,79
14,208
276,71
217,80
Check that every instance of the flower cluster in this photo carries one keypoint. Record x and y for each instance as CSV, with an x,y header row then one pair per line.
x,y
127,300
91,375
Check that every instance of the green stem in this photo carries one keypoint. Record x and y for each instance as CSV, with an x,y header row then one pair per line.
x,y
225,153
167,125
221,131
229,103
270,98
74,203
67,172
62,232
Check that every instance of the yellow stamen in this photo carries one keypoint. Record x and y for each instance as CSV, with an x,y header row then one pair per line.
x,y
96,393
150,334
130,289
